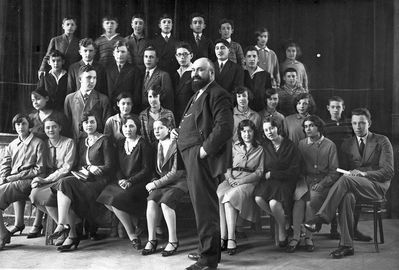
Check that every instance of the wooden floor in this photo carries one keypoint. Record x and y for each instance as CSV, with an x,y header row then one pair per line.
x,y
255,252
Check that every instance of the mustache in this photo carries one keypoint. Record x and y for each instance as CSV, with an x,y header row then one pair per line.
x,y
196,77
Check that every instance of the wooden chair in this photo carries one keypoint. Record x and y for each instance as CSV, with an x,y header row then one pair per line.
x,y
375,207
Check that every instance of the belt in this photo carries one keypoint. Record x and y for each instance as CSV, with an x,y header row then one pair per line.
x,y
240,169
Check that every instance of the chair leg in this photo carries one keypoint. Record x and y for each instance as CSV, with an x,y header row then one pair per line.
x,y
381,229
375,228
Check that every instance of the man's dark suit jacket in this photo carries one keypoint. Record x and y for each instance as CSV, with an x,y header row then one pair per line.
x,y
215,124
62,44
166,53
204,49
183,93
258,85
73,77
377,159
57,92
128,80
231,76
161,78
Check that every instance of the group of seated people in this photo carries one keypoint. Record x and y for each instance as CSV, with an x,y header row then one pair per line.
x,y
72,156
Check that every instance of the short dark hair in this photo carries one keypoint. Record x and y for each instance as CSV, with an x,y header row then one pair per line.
x,y
151,48
184,45
223,41
167,122
86,115
250,49
86,68
109,18
269,93
85,42
273,122
58,120
157,89
196,14
336,98
247,123
123,95
136,121
165,16
67,18
18,118
224,20
121,43
312,104
293,44
41,91
362,111
290,69
56,53
261,30
138,16
317,121
241,89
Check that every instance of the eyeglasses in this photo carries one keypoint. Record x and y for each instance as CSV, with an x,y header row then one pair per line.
x,y
182,54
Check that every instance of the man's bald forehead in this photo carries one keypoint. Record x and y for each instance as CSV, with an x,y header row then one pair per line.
x,y
204,62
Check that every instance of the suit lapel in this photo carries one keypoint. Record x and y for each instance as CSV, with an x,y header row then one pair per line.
x,y
370,147
153,77
355,148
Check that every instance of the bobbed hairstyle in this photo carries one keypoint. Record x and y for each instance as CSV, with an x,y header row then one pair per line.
x,y
251,125
316,121
19,117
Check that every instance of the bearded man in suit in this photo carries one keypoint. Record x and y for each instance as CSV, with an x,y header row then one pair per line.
x,y
205,144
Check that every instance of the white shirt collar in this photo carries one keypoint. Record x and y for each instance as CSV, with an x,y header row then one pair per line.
x,y
229,40
85,93
258,69
110,37
181,70
27,140
151,71
262,49
224,62
195,34
319,141
364,139
203,90
164,35
88,63
57,79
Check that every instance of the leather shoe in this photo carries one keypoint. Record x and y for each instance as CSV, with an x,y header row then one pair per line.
x,y
342,251
292,246
358,236
198,266
194,256
314,225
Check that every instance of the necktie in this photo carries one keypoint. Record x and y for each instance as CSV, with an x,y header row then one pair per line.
x,y
54,157
160,156
221,66
85,98
166,38
361,147
119,68
147,76
197,39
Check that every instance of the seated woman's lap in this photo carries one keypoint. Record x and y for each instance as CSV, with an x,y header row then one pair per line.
x,y
14,191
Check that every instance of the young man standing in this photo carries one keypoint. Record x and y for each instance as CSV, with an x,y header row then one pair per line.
x,y
137,41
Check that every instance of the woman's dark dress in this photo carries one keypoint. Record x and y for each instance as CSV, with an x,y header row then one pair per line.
x,y
83,194
137,169
284,170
